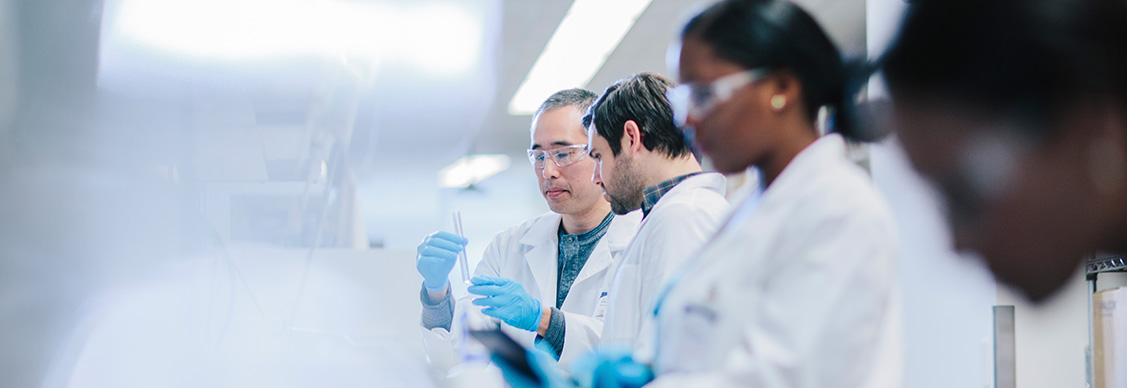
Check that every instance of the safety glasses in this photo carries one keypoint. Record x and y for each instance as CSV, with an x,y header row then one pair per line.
x,y
698,99
561,156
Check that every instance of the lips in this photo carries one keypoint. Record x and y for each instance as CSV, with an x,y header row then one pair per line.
x,y
554,192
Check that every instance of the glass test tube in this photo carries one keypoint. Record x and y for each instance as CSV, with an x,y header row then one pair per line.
x,y
462,261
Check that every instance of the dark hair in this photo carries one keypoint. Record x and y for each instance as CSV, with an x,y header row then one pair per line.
x,y
779,35
1023,59
579,98
641,98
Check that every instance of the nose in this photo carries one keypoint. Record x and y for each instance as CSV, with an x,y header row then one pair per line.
x,y
597,178
550,170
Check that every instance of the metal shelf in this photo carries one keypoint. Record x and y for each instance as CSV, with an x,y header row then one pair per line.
x,y
1095,265
1105,263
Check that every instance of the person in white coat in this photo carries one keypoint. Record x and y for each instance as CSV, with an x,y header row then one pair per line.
x,y
541,278
644,161
797,289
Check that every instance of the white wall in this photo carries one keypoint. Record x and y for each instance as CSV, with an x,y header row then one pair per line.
x,y
1051,338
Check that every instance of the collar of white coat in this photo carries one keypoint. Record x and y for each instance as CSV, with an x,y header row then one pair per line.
x,y
816,156
707,181
621,230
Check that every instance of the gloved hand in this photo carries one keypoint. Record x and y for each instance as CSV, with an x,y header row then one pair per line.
x,y
543,365
611,367
438,253
506,300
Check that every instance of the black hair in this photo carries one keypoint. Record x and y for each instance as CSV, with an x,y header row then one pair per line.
x,y
579,98
779,35
641,98
1025,60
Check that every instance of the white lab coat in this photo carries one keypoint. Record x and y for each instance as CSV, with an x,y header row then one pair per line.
x,y
528,254
676,227
797,292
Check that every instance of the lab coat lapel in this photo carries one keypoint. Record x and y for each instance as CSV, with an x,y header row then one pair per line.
x,y
807,164
618,236
541,244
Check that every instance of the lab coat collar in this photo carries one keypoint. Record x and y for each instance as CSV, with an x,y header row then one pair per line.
x,y
709,180
622,230
542,244
613,243
808,161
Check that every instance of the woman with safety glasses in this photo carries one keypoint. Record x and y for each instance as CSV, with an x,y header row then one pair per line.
x,y
797,288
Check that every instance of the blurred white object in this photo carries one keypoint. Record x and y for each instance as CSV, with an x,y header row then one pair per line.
x,y
197,327
445,38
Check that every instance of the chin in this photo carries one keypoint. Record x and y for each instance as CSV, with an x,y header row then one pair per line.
x,y
1038,278
556,206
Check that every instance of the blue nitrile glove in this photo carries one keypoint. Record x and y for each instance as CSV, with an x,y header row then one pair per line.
x,y
506,300
543,365
438,253
611,367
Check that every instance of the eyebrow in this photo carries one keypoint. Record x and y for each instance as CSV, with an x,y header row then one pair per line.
x,y
555,143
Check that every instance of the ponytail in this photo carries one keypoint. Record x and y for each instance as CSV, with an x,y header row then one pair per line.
x,y
853,119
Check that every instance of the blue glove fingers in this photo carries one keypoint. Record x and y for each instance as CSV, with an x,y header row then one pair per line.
x,y
448,237
632,374
492,311
446,240
490,302
598,367
439,252
433,266
445,245
488,290
490,280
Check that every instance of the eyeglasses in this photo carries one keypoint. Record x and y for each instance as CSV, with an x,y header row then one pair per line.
x,y
699,99
561,156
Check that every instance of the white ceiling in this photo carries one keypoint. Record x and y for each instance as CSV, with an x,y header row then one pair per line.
x,y
407,123
525,28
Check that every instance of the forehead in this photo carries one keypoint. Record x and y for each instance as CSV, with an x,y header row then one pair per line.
x,y
934,135
594,140
556,127
698,61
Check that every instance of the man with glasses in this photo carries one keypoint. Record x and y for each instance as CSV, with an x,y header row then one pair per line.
x,y
643,160
540,278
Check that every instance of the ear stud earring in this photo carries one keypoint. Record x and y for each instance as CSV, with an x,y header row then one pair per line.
x,y
778,102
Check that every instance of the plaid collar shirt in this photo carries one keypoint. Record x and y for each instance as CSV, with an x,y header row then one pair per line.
x,y
652,194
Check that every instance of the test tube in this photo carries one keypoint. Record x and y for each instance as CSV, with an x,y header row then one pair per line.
x,y
462,261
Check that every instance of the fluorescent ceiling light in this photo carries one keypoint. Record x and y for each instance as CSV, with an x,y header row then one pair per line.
x,y
586,36
442,37
472,169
